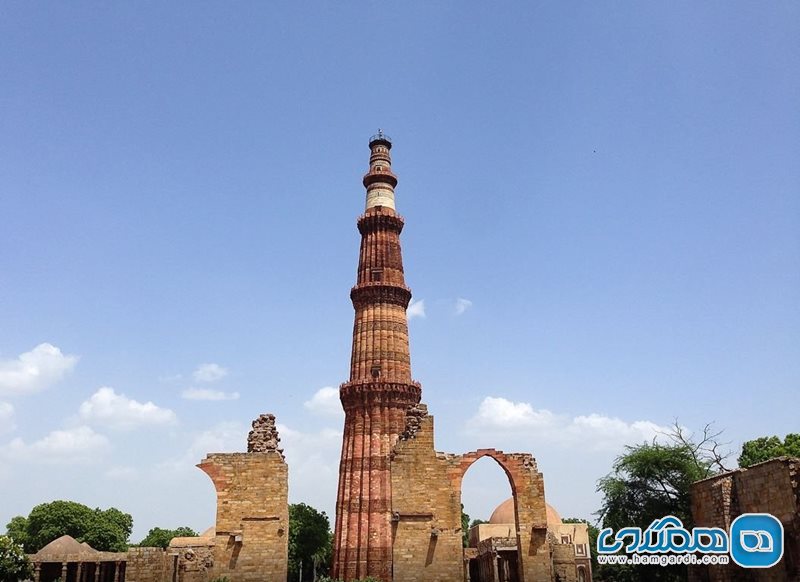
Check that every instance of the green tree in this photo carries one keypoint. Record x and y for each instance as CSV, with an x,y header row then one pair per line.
x,y
17,529
14,564
121,520
105,530
766,448
650,481
309,542
160,538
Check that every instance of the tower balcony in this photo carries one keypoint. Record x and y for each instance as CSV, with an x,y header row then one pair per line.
x,y
380,138
373,292
379,219
382,175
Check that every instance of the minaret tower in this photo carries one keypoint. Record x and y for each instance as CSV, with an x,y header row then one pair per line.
x,y
380,389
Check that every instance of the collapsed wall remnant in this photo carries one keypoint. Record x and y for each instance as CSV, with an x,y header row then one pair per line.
x,y
264,436
770,487
427,528
251,537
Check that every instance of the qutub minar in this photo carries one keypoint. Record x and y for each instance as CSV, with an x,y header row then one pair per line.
x,y
380,389
398,504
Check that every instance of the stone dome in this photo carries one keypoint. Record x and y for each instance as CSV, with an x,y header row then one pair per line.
x,y
64,546
504,513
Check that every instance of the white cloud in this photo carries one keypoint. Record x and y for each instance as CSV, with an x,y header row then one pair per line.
x,y
325,402
6,417
593,431
502,413
209,373
208,394
35,370
118,411
416,308
76,445
610,432
462,305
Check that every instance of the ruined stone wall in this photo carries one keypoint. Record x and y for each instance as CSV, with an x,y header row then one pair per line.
x,y
252,528
770,487
148,565
193,563
427,543
564,569
426,502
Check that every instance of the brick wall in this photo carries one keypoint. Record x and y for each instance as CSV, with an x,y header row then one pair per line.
x,y
147,565
426,503
564,563
427,512
770,487
252,529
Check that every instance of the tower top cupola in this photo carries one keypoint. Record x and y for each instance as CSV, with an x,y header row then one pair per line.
x,y
379,180
381,137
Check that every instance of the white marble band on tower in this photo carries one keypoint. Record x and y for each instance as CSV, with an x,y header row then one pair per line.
x,y
379,180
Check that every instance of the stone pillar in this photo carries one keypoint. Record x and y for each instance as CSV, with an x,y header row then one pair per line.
x,y
37,572
116,571
97,571
64,566
495,559
79,573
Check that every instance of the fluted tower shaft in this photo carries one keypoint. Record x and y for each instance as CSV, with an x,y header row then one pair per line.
x,y
380,389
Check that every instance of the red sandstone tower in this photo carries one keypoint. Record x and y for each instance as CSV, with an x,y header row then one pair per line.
x,y
380,389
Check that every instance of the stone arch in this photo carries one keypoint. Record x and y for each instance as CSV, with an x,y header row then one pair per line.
x,y
468,459
527,489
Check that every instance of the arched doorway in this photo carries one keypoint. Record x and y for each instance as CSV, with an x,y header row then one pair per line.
x,y
492,550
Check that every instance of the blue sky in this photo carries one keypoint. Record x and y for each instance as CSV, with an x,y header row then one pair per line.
x,y
609,191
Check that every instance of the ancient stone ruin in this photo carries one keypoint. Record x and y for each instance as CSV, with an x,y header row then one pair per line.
x,y
770,487
398,509
264,436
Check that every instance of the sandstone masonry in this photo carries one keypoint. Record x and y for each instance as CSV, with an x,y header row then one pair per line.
x,y
769,487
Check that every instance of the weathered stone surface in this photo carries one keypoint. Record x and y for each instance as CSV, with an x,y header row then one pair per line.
x,y
770,487
148,565
264,436
251,541
414,416
426,500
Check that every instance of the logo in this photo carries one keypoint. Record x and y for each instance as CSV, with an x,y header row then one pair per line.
x,y
665,535
756,540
